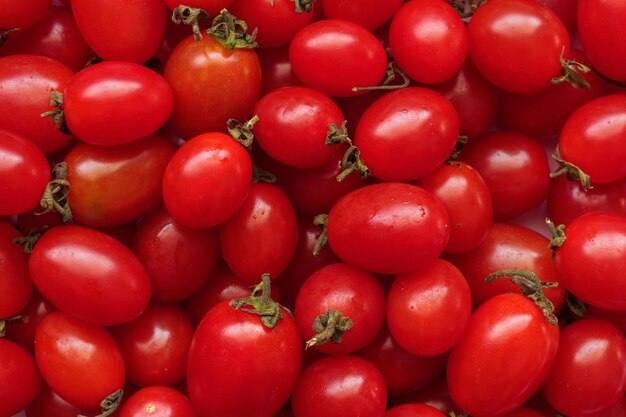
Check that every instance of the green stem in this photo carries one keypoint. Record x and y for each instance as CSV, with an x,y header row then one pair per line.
x,y
573,172
571,72
57,116
304,5
232,32
320,220
392,71
261,175
575,305
242,132
190,16
110,404
260,303
4,36
329,326
30,239
55,196
558,235
351,160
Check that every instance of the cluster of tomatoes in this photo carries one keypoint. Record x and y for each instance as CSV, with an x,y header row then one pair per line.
x,y
305,208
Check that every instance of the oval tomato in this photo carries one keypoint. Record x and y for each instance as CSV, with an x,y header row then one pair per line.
x,y
157,401
19,378
22,331
371,14
12,17
15,281
413,410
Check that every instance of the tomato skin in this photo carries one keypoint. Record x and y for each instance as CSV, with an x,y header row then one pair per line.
x,y
20,378
15,281
276,69
367,13
594,250
178,259
126,92
65,347
12,16
211,84
599,25
121,30
595,349
155,345
262,235
434,394
22,331
599,125
293,126
428,310
207,180
349,52
413,410
89,275
483,378
525,412
25,85
428,40
406,134
363,390
516,44
398,228
49,404
233,351
460,186
157,401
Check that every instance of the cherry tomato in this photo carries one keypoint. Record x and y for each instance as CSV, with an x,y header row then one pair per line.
x,y
207,180
428,40
406,134
503,357
25,85
592,252
119,30
428,310
15,281
22,330
367,13
595,349
136,100
13,16
157,401
340,386
333,56
89,275
81,362
434,394
413,410
566,10
19,378
516,44
397,228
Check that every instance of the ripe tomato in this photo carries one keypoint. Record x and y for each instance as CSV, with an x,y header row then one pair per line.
x,y
371,14
276,69
178,259
435,394
14,277
136,100
65,347
595,349
157,401
594,250
524,412
19,378
121,30
516,44
406,134
27,14
397,228
503,357
428,310
211,84
207,180
340,386
49,404
428,40
22,330
89,275
25,85
261,236
343,49
413,410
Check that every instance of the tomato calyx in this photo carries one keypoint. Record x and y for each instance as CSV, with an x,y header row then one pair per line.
x,y
55,195
558,235
351,160
4,36
189,16
466,8
260,303
461,141
329,326
573,172
110,403
242,132
390,75
304,5
261,175
453,414
29,241
56,100
570,72
532,287
576,305
320,221
231,32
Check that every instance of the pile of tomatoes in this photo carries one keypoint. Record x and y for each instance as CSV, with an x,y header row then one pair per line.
x,y
297,208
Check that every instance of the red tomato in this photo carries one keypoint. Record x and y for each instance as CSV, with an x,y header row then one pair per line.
x,y
207,180
25,85
333,56
388,228
14,277
516,44
178,259
367,13
27,14
525,412
460,186
566,10
428,40
413,410
276,69
155,345
340,309
261,236
406,134
65,347
157,401
593,251
49,404
89,275
136,100
294,124
434,394
595,349
121,30
599,125
19,378
212,7
340,386
22,330
428,310
503,357
211,84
